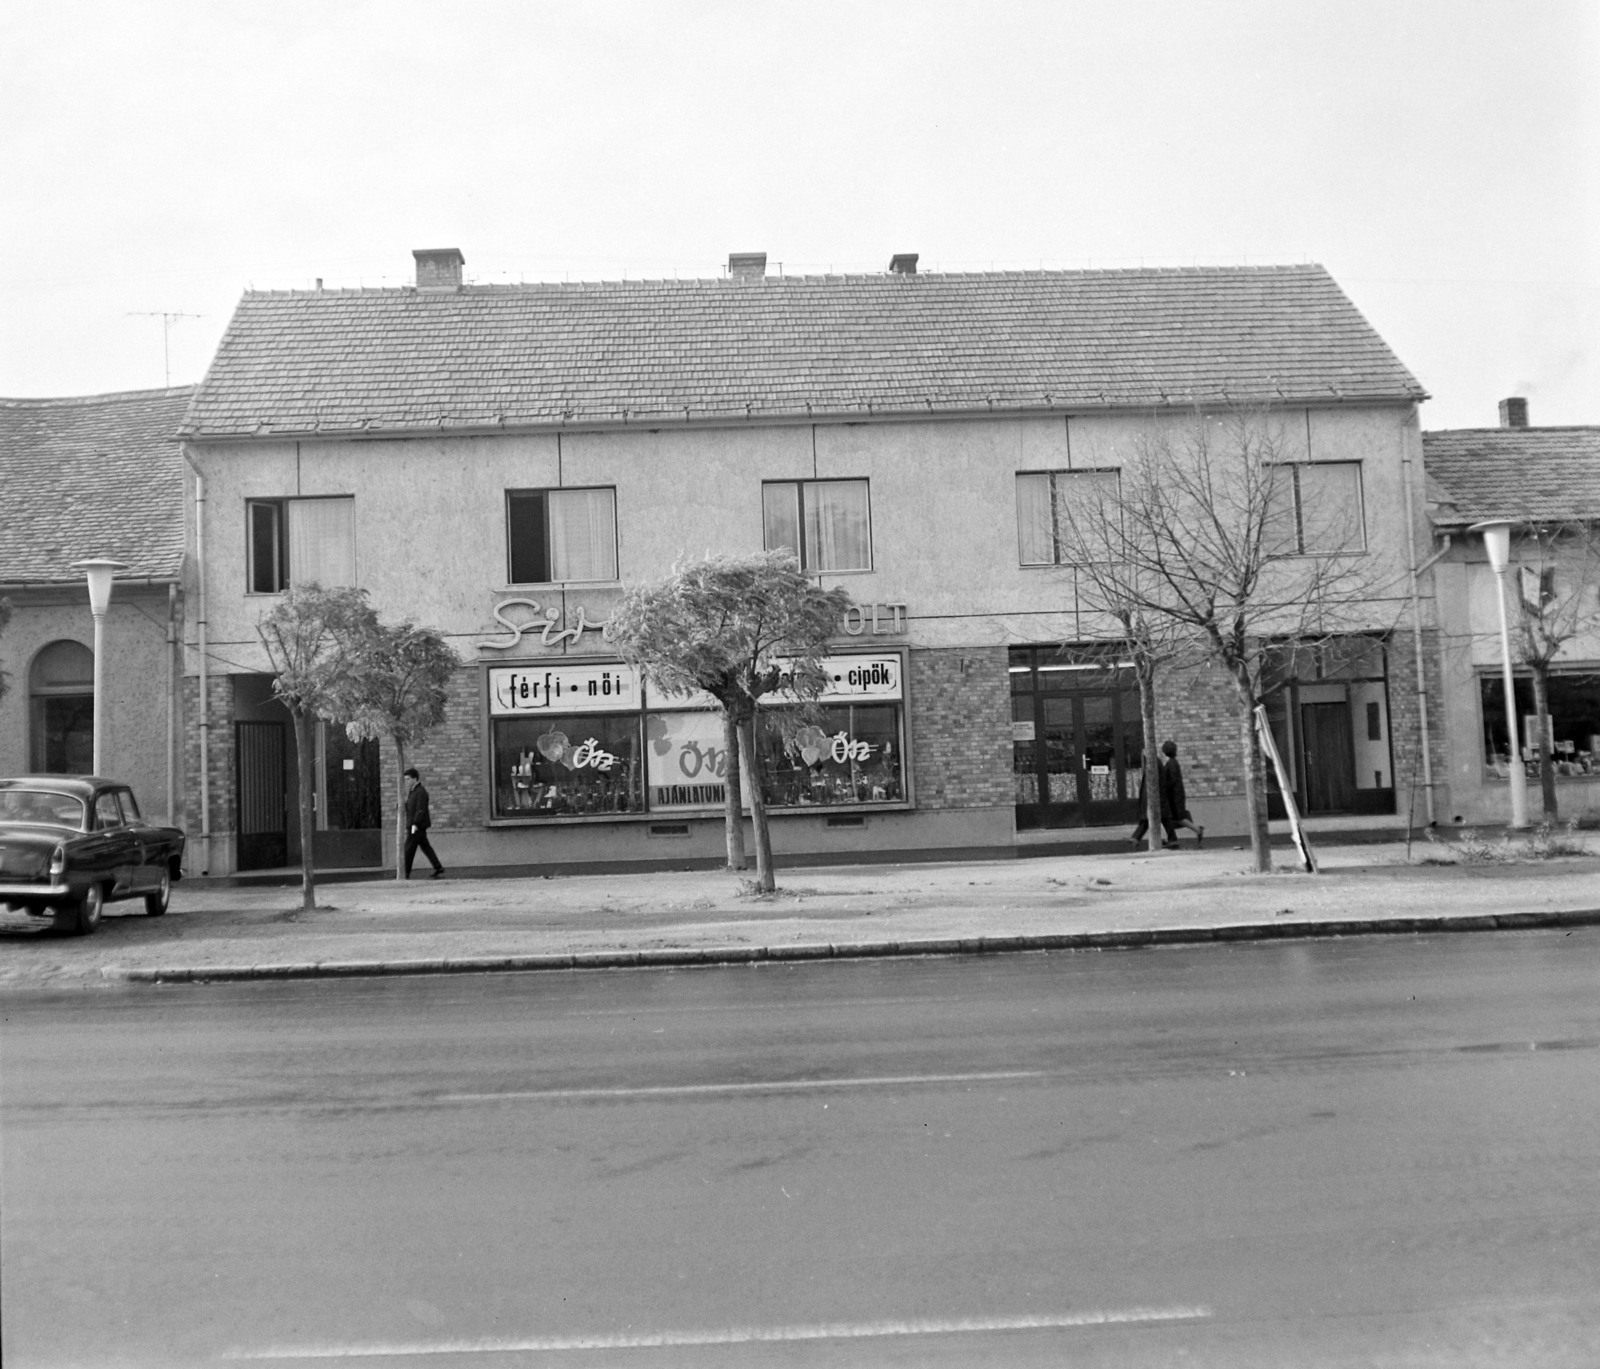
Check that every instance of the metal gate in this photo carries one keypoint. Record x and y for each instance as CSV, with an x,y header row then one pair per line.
x,y
262,797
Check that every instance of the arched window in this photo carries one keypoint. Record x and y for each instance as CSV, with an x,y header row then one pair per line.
x,y
61,709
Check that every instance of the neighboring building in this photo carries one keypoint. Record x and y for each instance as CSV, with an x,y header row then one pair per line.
x,y
499,461
83,478
1537,478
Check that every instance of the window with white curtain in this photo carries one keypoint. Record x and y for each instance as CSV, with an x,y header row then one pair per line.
x,y
556,535
297,541
1048,500
1314,508
827,524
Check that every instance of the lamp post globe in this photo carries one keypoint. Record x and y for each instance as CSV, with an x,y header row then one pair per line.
x,y
99,572
1496,534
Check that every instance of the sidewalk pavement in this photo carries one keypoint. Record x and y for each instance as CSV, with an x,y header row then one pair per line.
x,y
702,917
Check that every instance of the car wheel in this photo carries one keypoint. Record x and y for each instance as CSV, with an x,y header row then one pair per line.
x,y
90,907
155,902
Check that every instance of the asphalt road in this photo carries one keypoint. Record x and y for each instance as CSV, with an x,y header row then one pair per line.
x,y
1318,1153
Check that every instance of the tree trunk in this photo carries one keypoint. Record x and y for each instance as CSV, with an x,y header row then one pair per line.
x,y
733,796
308,830
1547,769
400,811
1152,770
1255,785
758,808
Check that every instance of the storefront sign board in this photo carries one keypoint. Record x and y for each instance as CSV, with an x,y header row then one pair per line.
x,y
520,690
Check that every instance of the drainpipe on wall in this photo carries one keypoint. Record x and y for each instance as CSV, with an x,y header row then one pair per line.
x,y
172,703
1416,628
200,634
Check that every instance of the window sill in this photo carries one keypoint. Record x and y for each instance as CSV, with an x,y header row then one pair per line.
x,y
560,584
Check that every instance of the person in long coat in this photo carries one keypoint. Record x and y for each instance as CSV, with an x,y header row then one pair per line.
x,y
1174,801
1137,836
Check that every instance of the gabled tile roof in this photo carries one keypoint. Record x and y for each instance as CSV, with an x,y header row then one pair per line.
x,y
1533,474
655,352
96,476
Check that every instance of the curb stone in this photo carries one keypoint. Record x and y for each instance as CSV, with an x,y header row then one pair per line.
x,y
667,957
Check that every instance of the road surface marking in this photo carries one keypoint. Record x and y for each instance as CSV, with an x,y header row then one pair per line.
x,y
760,1086
739,1335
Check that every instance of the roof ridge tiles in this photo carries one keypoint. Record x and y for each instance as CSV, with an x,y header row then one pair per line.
x,y
82,401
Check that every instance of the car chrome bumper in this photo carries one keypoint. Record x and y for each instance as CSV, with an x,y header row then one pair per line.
x,y
39,891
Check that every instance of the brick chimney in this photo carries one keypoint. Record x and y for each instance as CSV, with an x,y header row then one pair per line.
x,y
1513,413
439,268
903,263
752,265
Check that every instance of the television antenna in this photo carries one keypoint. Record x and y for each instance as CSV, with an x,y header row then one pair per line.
x,y
166,318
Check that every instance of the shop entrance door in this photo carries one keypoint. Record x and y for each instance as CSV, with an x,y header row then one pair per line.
x,y
1330,767
1076,756
261,803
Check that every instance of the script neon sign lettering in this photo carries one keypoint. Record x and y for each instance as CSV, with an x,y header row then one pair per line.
x,y
546,625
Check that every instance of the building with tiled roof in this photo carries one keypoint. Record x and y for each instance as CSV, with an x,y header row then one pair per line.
x,y
94,476
500,462
86,477
1545,482
1535,475
745,348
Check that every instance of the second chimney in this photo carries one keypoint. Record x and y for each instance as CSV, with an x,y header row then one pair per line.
x,y
747,265
439,268
1514,413
904,263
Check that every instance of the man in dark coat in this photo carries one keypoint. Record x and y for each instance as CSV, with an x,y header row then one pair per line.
x,y
418,820
1174,801
1144,810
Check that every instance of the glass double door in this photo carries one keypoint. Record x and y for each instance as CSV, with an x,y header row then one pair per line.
x,y
1076,758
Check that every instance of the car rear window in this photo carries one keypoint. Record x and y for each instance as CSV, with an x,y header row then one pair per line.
x,y
40,807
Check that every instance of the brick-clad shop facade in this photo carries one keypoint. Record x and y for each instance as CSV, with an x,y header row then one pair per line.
x,y
500,462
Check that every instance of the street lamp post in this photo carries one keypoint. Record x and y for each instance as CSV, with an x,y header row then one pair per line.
x,y
98,572
1496,534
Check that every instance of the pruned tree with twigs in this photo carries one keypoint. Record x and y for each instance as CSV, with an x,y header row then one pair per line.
x,y
1231,540
739,628
1557,585
1089,530
313,639
399,684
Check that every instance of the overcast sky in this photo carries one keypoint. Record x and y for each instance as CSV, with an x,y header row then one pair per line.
x,y
1441,158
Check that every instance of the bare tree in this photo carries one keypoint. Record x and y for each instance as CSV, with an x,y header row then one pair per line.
x,y
312,637
1089,532
1227,539
738,628
396,687
1558,576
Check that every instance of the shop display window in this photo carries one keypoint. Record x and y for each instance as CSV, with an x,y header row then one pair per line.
x,y
852,754
1574,724
567,766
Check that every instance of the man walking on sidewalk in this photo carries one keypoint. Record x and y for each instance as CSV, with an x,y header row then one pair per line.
x,y
418,820
1174,800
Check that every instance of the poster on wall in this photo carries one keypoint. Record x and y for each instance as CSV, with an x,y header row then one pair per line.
x,y
686,763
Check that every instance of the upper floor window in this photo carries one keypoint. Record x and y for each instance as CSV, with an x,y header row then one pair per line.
x,y
554,535
1052,505
827,524
1314,508
296,541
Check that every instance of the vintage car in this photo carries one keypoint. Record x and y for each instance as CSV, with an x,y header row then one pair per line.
x,y
70,843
